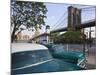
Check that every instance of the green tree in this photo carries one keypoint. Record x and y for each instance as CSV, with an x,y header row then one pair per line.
x,y
54,36
71,37
27,14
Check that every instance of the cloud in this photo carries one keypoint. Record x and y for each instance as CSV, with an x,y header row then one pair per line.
x,y
52,17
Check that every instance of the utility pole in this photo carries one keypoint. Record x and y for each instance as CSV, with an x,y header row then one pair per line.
x,y
83,39
90,40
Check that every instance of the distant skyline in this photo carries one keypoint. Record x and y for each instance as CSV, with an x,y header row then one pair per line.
x,y
56,10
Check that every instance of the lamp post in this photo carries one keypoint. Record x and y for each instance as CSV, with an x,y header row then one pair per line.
x,y
90,39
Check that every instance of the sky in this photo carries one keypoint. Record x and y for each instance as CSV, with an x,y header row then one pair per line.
x,y
55,12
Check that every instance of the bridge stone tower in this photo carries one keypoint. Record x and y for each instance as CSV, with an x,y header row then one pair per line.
x,y
74,17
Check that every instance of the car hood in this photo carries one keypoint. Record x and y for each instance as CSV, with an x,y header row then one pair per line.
x,y
69,54
54,65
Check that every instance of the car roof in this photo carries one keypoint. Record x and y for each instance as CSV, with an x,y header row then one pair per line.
x,y
19,47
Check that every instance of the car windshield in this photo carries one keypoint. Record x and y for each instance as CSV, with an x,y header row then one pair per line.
x,y
58,48
21,59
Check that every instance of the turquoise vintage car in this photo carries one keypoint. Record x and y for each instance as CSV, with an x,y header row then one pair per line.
x,y
34,58
74,57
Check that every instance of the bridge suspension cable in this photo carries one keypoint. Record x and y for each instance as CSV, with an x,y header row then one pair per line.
x,y
60,20
63,19
62,23
88,7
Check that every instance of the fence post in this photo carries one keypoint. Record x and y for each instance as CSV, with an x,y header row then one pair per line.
x,y
67,46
